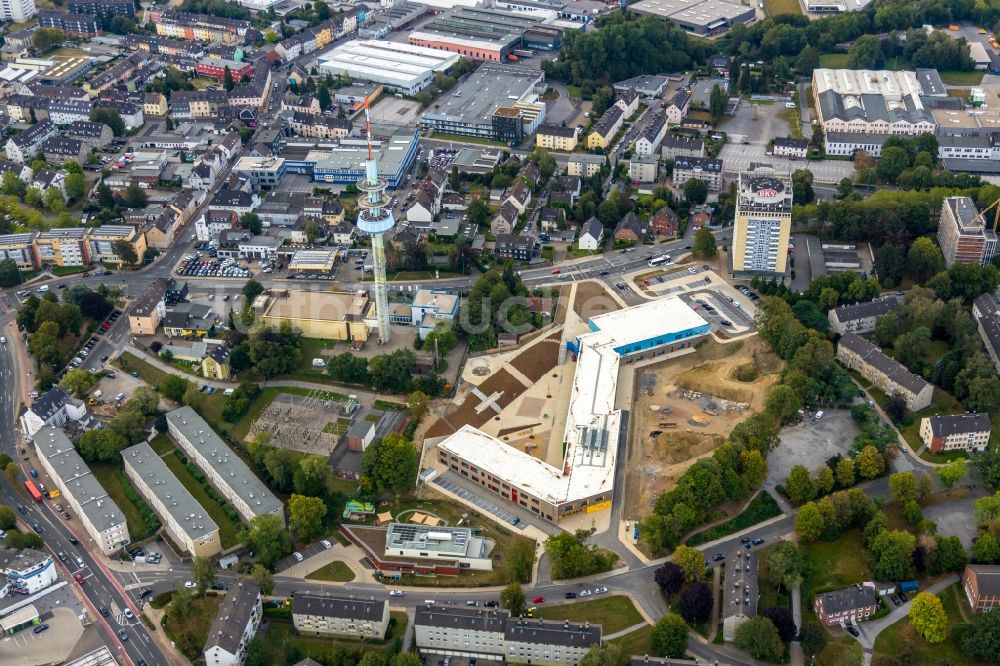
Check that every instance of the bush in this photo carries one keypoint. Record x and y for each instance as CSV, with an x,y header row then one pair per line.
x,y
239,402
148,515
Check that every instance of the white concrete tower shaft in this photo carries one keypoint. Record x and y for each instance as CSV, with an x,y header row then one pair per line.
x,y
375,219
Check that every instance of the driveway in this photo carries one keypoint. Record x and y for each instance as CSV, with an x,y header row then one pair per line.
x,y
810,444
870,630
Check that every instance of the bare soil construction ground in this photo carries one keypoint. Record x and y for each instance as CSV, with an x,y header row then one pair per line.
x,y
592,300
685,407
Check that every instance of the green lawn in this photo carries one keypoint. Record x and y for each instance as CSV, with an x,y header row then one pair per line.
x,y
161,444
115,482
60,271
840,650
280,633
973,78
229,531
574,91
902,641
334,572
190,633
763,507
834,60
775,7
612,613
835,564
770,594
634,643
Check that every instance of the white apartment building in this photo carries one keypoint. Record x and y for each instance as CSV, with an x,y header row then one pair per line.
x,y
452,631
860,317
185,520
53,408
325,615
225,470
956,432
17,11
26,571
529,641
98,513
234,626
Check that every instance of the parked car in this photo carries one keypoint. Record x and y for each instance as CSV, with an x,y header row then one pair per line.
x,y
571,595
298,556
600,590
538,600
40,628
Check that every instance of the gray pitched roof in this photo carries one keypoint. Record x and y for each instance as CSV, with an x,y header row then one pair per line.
x,y
955,424
552,632
848,599
339,607
875,308
479,619
873,356
233,615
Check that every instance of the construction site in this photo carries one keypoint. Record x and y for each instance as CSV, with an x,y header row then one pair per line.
x,y
684,407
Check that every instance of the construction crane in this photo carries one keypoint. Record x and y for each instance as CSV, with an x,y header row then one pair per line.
x,y
375,219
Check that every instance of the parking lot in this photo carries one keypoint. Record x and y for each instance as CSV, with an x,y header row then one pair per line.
x,y
212,267
755,122
486,505
810,443
391,110
307,552
51,646
737,157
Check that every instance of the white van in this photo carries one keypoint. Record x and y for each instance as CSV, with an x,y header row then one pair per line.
x,y
319,363
119,397
819,415
44,288
97,394
789,105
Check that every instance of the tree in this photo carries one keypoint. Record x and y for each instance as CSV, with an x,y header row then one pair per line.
x,y
891,163
928,618
911,513
12,471
348,368
871,463
812,638
8,520
44,39
478,212
227,79
802,186
17,539
135,197
704,244
262,577
608,654
392,372
78,382
252,289
760,638
785,564
866,53
981,638
571,557
102,445
809,522
903,487
105,197
951,473
54,201
783,621
267,537
12,186
252,223
305,516
696,603
986,549
691,562
33,198
670,578
890,555
203,574
111,118
125,251
512,598
800,485
173,387
845,472
695,191
75,186
669,637
10,274
390,464
924,259
323,96
949,556
782,402
986,509
716,103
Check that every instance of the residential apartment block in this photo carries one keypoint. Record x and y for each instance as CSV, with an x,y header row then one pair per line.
x,y
234,626
529,641
225,470
554,137
81,492
457,631
963,234
102,243
703,168
673,147
63,247
763,222
851,605
888,375
987,317
605,128
351,617
982,586
53,408
860,317
20,248
185,520
956,432
584,165
786,146
652,134
26,571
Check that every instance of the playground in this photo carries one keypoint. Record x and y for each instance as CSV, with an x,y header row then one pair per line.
x,y
685,407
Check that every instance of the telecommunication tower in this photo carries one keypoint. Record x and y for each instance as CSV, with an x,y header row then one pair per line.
x,y
375,219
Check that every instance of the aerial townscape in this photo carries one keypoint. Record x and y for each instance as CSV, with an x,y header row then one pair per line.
x,y
473,332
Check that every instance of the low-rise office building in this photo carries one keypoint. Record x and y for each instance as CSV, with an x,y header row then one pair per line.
x,y
185,520
422,549
351,617
25,570
81,491
234,626
956,432
860,317
225,470
851,605
63,247
888,375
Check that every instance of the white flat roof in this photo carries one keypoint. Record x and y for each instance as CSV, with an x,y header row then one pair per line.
x,y
391,61
592,422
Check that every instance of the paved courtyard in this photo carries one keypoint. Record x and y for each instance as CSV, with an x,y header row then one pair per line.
x,y
757,130
952,518
811,443
737,157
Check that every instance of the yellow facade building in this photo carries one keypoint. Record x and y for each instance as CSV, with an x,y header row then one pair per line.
x,y
324,315
763,223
